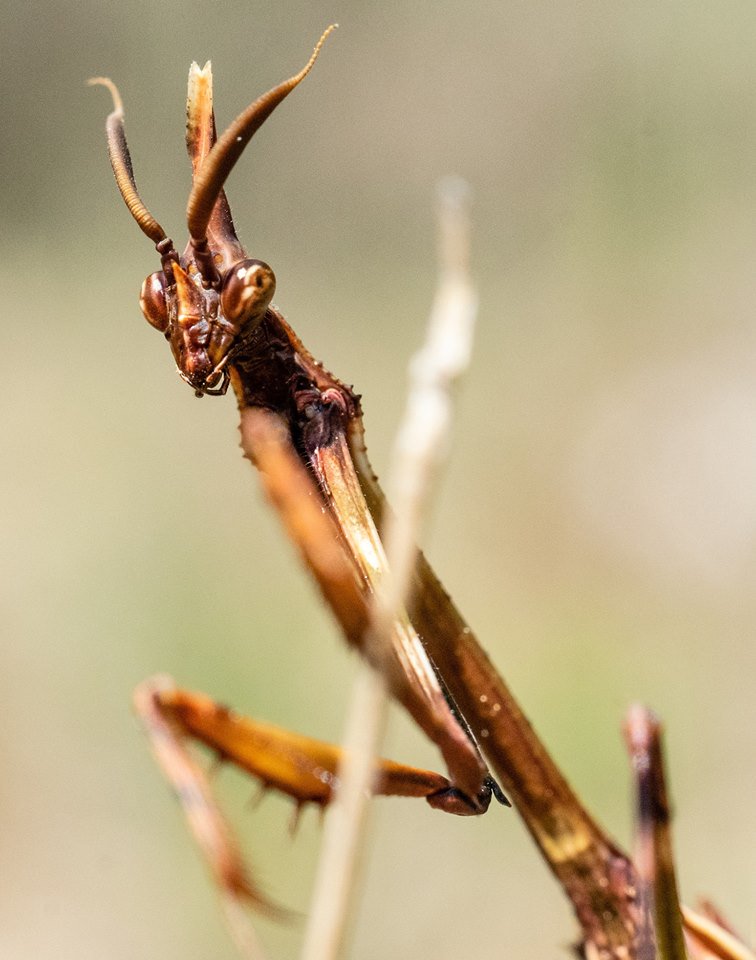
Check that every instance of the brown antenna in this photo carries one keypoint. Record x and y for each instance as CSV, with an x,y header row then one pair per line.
x,y
213,173
120,160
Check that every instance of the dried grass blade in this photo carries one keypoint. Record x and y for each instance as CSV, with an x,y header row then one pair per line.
x,y
420,442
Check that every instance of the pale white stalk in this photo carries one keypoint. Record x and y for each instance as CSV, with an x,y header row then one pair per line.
x,y
242,932
420,444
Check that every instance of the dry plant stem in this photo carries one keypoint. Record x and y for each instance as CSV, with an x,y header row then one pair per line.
x,y
242,932
336,876
421,439
423,436
654,859
713,938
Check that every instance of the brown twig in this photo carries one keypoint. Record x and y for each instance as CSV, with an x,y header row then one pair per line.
x,y
660,931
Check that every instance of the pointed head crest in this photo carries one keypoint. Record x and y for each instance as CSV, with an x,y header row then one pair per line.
x,y
211,299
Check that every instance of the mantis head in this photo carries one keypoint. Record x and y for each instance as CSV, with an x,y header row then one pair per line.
x,y
209,300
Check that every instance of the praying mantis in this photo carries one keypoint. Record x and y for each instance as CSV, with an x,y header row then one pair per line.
x,y
302,428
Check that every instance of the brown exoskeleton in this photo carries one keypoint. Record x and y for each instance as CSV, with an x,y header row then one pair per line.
x,y
213,304
302,428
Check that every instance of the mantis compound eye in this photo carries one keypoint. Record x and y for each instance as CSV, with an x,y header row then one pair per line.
x,y
248,288
152,301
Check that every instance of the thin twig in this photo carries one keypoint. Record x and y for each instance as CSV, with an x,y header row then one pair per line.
x,y
419,447
242,932
662,920
346,818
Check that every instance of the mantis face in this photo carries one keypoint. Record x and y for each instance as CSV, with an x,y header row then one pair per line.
x,y
205,323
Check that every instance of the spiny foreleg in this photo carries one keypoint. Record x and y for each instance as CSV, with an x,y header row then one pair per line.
x,y
300,767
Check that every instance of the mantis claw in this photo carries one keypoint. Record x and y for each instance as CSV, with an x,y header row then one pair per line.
x,y
453,800
498,793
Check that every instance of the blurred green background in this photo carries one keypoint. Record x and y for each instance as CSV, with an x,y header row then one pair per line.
x,y
597,522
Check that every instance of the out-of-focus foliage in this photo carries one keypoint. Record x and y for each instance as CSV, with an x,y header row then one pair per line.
x,y
598,520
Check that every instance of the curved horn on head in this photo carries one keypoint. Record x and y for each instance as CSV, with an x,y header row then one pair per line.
x,y
211,176
120,160
200,139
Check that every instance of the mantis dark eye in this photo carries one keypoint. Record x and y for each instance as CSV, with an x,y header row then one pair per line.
x,y
248,288
152,301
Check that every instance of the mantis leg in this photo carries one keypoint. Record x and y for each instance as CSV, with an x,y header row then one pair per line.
x,y
301,767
